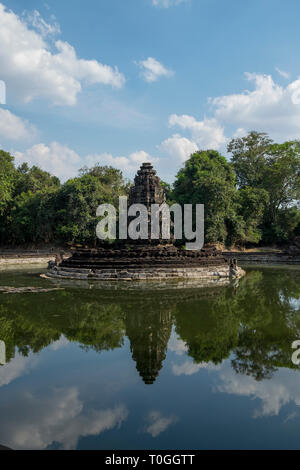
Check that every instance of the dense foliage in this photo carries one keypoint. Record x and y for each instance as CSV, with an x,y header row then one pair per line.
x,y
36,208
251,198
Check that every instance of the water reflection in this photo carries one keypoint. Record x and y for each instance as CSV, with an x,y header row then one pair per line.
x,y
254,323
78,363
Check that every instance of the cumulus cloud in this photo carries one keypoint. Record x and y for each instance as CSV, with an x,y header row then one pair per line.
x,y
179,147
152,70
167,3
208,133
33,422
61,161
31,70
57,159
14,128
158,423
269,107
130,163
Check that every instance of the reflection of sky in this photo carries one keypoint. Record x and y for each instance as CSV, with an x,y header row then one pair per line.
x,y
65,397
294,302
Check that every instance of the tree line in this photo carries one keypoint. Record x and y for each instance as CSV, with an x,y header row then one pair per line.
x,y
251,199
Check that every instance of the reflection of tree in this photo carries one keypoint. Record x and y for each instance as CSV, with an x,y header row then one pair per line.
x,y
30,323
255,322
148,330
269,322
208,327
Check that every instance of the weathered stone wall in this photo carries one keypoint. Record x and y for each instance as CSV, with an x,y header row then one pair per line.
x,y
144,273
263,257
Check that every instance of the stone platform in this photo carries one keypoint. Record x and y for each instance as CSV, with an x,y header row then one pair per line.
x,y
144,259
145,263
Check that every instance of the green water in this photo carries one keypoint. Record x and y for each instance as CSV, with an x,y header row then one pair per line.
x,y
94,366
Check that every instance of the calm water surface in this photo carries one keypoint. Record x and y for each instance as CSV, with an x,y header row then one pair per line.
x,y
95,367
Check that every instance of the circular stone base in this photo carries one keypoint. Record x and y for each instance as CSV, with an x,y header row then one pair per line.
x,y
153,273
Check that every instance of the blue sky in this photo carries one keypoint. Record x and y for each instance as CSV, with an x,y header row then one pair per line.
x,y
120,82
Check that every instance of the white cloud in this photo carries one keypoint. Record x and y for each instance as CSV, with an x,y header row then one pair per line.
x,y
128,164
14,128
282,73
152,70
61,161
179,147
32,422
269,107
57,159
208,133
45,29
31,70
166,3
158,423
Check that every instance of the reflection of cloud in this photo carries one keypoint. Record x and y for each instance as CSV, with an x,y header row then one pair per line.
x,y
35,423
177,346
61,343
291,416
274,394
159,423
190,367
17,367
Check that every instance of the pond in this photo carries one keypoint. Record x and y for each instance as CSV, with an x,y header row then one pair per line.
x,y
93,366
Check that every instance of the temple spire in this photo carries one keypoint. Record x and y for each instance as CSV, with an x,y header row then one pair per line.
x,y
147,189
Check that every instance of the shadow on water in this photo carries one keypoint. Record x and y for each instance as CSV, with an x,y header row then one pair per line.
x,y
254,321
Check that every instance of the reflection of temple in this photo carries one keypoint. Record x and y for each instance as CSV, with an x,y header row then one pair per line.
x,y
149,333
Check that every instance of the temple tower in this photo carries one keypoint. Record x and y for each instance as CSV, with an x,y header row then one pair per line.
x,y
147,189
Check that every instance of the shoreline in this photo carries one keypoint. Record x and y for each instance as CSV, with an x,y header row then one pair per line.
x,y
24,257
30,257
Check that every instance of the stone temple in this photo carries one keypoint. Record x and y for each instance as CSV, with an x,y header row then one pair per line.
x,y
145,259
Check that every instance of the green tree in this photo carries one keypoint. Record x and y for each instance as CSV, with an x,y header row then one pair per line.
x,y
78,199
30,214
262,165
250,206
33,179
208,178
7,180
249,158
